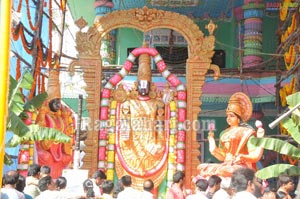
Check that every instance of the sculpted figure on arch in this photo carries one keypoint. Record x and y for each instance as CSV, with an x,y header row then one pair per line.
x,y
234,150
141,139
53,114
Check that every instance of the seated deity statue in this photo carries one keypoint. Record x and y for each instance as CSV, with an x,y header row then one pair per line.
x,y
55,115
141,136
234,149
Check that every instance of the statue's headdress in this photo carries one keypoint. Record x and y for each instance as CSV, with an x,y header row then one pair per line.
x,y
144,71
240,104
53,89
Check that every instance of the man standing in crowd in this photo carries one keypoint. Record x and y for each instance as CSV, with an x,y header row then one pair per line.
x,y
10,180
128,192
244,183
177,190
97,178
214,184
201,186
147,188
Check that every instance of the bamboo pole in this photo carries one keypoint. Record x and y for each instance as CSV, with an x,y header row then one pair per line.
x,y
5,13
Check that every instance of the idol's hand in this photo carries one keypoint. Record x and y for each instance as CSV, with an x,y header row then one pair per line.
x,y
211,141
237,159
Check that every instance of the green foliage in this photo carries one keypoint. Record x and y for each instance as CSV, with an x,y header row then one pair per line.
x,y
277,145
277,169
38,133
283,147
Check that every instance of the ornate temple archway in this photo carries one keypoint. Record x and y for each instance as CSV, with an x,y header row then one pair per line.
x,y
200,52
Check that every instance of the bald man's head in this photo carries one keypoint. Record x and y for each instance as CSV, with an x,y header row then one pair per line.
x,y
148,185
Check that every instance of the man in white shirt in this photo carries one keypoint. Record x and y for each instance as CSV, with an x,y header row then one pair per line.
x,y
148,187
8,191
225,191
107,188
201,186
97,178
244,183
47,188
128,191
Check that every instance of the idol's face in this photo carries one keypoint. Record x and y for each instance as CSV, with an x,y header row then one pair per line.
x,y
143,87
232,119
55,105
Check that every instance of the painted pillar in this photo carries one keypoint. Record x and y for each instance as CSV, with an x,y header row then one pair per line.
x,y
253,13
5,13
108,46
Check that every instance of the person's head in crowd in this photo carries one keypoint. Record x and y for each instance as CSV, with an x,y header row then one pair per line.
x,y
243,179
178,178
126,180
34,170
21,183
11,178
99,177
61,183
118,188
148,185
269,192
201,185
281,195
88,188
46,183
107,186
214,183
285,183
45,171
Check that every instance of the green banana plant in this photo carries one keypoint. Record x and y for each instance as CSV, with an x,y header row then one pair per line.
x,y
291,124
17,110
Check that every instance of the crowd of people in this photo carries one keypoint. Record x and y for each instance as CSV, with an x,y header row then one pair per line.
x,y
40,185
243,184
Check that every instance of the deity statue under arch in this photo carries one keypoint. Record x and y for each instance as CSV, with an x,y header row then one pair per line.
x,y
141,137
53,114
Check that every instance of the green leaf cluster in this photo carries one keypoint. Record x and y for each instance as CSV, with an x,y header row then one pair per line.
x,y
283,147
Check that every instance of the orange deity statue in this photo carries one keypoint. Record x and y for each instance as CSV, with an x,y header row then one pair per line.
x,y
53,114
234,149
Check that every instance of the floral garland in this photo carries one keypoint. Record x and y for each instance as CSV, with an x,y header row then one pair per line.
x,y
172,141
103,159
290,57
290,29
283,9
287,90
33,27
111,141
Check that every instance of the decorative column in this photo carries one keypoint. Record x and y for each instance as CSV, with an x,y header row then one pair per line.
x,y
108,46
253,13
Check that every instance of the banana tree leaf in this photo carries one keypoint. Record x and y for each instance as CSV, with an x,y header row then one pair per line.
x,y
292,128
38,133
36,102
275,170
277,145
16,125
16,100
26,80
293,99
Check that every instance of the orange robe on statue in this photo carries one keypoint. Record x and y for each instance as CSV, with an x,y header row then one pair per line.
x,y
233,142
